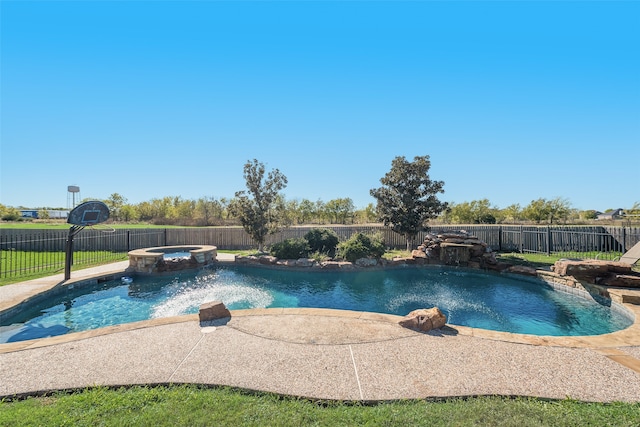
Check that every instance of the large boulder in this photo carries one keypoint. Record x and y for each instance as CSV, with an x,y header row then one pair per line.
x,y
454,248
590,269
267,259
523,269
213,310
424,319
621,281
366,262
305,262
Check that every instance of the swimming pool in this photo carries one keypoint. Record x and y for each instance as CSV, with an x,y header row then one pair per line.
x,y
468,298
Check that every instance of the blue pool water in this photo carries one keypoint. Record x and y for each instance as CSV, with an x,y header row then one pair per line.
x,y
467,297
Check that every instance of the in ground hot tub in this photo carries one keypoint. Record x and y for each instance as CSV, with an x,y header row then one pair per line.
x,y
159,260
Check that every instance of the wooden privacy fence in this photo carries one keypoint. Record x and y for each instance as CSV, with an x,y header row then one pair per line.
x,y
552,239
25,251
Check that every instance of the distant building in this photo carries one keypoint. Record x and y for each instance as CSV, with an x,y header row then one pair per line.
x,y
35,213
55,214
611,215
29,213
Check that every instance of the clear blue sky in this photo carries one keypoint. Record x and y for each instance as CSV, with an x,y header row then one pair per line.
x,y
513,101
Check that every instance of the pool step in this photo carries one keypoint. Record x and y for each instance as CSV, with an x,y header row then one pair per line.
x,y
625,295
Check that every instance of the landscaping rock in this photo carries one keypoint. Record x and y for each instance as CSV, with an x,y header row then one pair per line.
x,y
590,269
366,262
424,319
417,253
523,269
267,259
455,248
304,262
213,310
620,281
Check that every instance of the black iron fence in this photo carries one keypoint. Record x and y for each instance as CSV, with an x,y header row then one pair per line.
x,y
34,252
28,252
607,243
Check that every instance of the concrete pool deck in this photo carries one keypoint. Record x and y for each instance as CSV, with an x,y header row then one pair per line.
x,y
319,354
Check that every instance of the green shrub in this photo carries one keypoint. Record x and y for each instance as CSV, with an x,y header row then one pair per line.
x,y
290,249
361,245
319,256
322,240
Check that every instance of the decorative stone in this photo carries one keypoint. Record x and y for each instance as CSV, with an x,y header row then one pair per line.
x,y
621,281
498,266
304,262
330,265
267,259
424,319
151,260
366,262
213,310
611,274
457,248
454,240
590,269
417,253
523,269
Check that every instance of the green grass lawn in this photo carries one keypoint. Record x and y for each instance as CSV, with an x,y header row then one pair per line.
x,y
42,264
185,405
540,261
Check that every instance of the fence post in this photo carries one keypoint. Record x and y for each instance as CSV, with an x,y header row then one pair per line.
x,y
128,240
499,238
165,237
521,239
549,242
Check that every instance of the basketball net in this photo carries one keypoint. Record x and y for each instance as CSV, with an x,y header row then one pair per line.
x,y
102,228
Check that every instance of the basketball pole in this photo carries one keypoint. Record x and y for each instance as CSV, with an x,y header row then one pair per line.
x,y
87,213
68,252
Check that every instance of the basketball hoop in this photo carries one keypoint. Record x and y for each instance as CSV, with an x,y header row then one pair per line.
x,y
85,214
88,213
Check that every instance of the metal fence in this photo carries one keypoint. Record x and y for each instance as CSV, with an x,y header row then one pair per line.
x,y
25,252
31,252
607,243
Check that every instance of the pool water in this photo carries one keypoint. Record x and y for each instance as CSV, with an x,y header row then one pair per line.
x,y
467,297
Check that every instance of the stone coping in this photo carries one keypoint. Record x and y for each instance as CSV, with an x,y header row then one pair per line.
x,y
151,260
159,251
628,337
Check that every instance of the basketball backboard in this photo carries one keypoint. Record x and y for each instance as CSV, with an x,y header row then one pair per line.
x,y
89,213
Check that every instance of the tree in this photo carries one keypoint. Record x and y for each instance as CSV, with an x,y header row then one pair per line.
x,y
366,215
115,202
474,212
559,209
129,213
185,210
258,208
8,213
537,210
513,212
407,199
338,210
307,210
547,210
